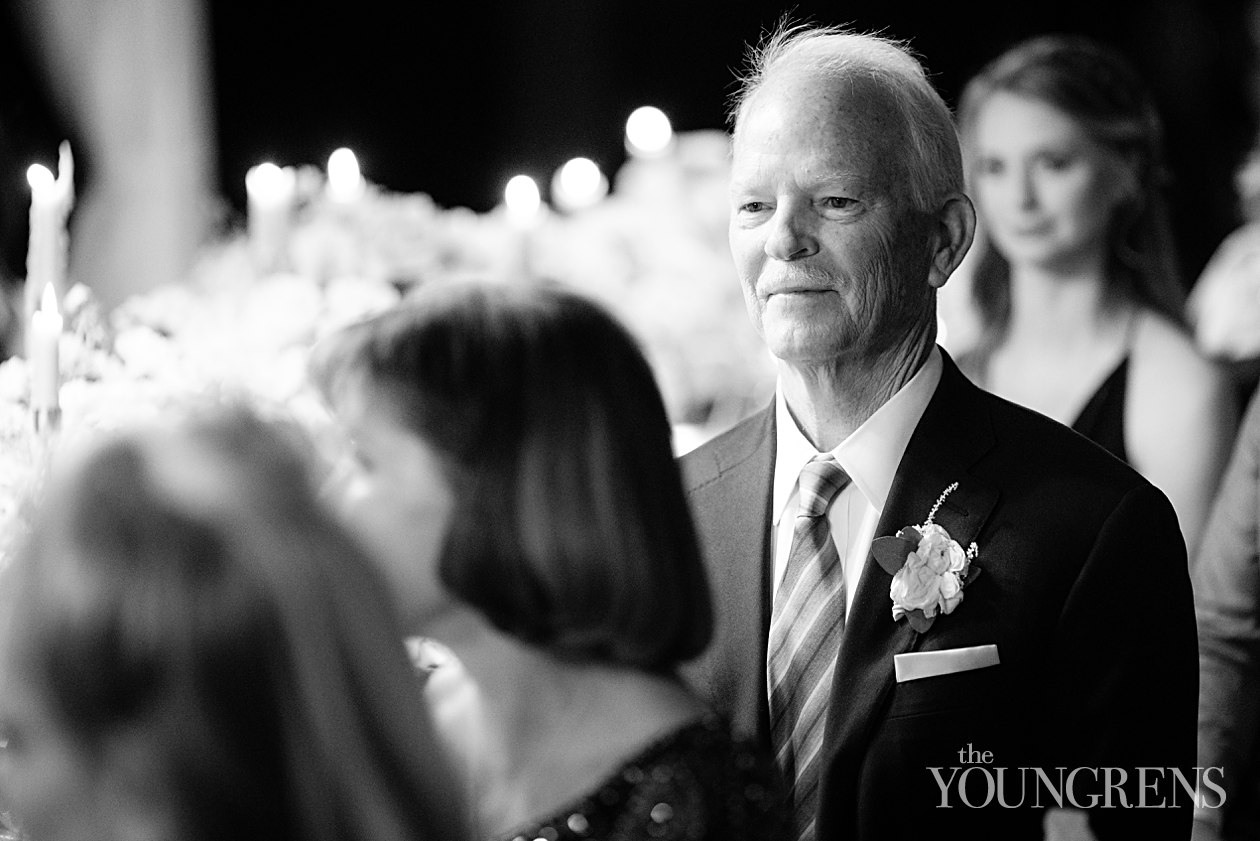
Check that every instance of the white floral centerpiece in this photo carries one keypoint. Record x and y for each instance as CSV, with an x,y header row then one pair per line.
x,y
177,345
654,253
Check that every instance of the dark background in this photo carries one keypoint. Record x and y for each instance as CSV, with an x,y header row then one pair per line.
x,y
453,98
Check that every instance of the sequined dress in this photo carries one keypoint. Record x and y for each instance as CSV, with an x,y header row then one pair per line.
x,y
695,784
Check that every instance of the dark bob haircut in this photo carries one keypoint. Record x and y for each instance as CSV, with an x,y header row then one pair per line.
x,y
572,530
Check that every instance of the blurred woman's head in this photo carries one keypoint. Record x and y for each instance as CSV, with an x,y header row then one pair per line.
x,y
1064,152
547,449
191,648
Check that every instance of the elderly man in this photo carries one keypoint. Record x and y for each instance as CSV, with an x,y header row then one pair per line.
x,y
944,612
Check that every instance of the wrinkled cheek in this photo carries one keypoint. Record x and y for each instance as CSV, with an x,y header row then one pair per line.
x,y
755,308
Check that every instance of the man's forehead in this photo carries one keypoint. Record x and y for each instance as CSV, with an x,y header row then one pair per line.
x,y
842,125
845,95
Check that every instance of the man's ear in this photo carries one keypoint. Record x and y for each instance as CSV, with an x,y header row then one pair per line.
x,y
954,227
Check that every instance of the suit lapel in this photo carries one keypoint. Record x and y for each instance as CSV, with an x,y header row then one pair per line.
x,y
954,432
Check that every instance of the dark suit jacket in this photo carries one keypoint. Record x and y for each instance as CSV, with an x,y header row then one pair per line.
x,y
1084,590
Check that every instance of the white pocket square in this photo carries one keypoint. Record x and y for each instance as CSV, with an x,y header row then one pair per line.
x,y
919,664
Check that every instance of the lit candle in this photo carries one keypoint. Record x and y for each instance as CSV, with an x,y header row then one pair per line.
x,y
345,182
44,349
271,191
40,269
523,202
648,133
51,201
578,184
523,206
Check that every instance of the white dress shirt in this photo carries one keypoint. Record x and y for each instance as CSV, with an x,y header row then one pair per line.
x,y
870,456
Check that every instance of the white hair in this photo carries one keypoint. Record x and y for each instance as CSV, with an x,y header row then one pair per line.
x,y
933,165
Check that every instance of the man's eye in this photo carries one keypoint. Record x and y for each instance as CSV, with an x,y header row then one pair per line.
x,y
838,202
752,207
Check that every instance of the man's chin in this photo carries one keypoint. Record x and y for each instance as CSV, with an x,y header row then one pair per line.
x,y
794,349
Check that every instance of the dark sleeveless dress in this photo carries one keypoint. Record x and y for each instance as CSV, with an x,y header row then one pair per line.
x,y
1102,419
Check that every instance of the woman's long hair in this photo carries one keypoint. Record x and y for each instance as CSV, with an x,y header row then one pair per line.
x,y
1105,96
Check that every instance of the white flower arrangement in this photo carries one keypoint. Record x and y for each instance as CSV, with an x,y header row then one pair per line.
x,y
654,253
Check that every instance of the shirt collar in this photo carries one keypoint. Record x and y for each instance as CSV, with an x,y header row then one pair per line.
x,y
871,454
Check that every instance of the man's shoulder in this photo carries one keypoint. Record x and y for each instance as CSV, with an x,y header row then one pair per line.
x,y
1034,451
1026,428
1022,447
727,450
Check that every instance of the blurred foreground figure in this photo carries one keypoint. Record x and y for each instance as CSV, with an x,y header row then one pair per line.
x,y
1227,604
191,649
132,78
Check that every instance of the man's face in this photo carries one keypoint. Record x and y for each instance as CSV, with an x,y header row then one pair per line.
x,y
833,260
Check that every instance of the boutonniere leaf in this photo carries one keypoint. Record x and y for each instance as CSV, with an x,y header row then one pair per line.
x,y
891,552
928,567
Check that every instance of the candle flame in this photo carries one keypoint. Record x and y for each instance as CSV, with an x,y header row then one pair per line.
x,y
578,184
61,186
648,132
345,182
269,183
40,178
48,301
522,198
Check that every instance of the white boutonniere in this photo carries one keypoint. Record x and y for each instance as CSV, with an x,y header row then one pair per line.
x,y
928,567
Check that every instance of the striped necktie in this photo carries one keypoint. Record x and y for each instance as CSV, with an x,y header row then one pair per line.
x,y
805,628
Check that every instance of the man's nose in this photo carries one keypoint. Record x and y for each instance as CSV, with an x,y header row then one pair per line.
x,y
791,235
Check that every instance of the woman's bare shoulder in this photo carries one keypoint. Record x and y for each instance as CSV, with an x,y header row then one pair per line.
x,y
1181,404
1180,419
1164,354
